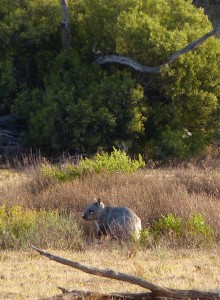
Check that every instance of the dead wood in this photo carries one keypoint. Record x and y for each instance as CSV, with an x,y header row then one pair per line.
x,y
115,296
123,60
157,292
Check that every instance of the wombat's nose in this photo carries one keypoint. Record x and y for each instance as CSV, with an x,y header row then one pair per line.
x,y
84,217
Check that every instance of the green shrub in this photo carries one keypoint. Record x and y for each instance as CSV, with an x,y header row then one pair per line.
x,y
194,231
116,161
167,224
20,227
145,237
196,227
71,103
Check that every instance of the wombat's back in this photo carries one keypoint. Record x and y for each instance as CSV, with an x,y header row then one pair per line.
x,y
120,222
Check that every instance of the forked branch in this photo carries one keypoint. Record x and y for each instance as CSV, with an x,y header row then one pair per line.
x,y
123,60
156,290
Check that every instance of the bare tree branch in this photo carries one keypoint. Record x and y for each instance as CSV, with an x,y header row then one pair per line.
x,y
145,69
155,289
104,273
123,60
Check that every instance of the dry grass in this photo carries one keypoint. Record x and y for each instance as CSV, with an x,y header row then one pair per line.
x,y
26,275
150,193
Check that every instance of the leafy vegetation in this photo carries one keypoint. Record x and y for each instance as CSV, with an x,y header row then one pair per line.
x,y
167,224
70,103
21,227
176,211
194,229
116,161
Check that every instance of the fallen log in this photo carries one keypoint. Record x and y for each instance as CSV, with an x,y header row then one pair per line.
x,y
115,296
156,291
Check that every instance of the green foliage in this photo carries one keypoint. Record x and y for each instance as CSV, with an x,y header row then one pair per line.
x,y
116,161
72,104
83,109
29,39
197,227
194,230
145,237
21,227
168,224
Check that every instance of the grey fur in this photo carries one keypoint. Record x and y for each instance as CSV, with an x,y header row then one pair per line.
x,y
119,222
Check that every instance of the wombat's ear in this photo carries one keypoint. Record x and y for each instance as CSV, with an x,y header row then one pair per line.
x,y
100,203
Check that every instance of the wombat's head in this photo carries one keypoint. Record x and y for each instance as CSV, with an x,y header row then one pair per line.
x,y
93,211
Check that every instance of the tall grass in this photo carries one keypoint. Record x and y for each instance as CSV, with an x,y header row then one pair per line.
x,y
21,227
190,194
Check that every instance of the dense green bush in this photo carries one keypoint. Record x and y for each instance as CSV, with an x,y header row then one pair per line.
x,y
116,161
82,108
72,104
29,39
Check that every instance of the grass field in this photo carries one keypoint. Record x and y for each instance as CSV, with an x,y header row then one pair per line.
x,y
26,275
181,263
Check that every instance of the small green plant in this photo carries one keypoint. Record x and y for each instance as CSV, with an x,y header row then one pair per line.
x,y
196,227
67,172
116,161
194,230
20,227
167,224
145,237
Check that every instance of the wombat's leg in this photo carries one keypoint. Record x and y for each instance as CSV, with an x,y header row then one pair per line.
x,y
102,231
99,234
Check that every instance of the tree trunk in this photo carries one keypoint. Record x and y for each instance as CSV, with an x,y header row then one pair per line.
x,y
64,25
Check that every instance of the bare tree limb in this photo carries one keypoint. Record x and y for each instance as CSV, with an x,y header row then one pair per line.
x,y
104,273
157,291
123,60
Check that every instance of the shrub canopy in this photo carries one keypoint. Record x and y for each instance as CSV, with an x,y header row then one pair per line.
x,y
72,104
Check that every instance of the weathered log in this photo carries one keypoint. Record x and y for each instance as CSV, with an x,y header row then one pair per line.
x,y
115,296
123,60
157,292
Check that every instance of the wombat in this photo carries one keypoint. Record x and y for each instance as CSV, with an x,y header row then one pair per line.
x,y
118,222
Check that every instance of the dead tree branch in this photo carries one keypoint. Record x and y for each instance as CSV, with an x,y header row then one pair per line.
x,y
156,290
127,61
115,296
104,273
123,60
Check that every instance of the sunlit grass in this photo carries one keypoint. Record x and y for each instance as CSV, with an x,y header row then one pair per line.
x,y
27,275
179,193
